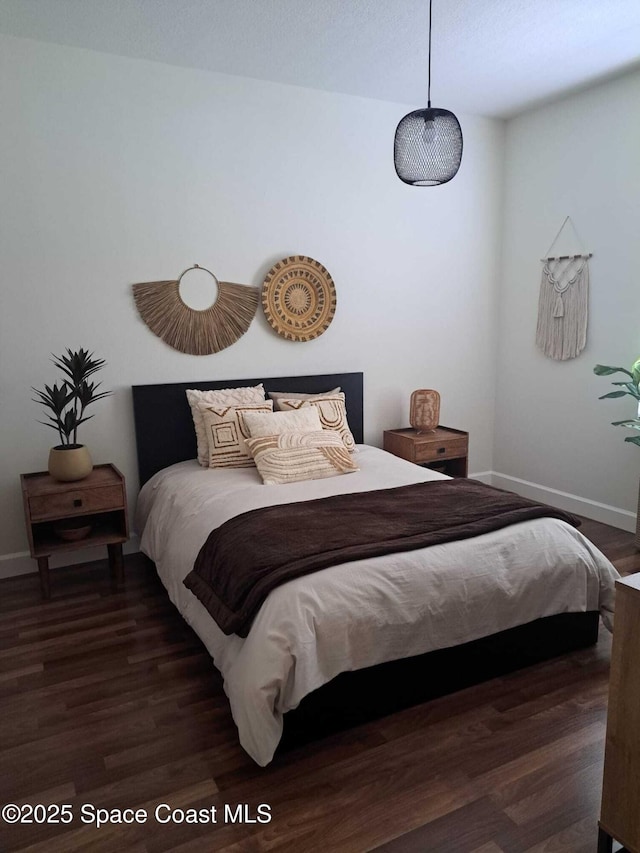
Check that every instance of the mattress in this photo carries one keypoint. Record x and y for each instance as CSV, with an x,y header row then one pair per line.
x,y
365,612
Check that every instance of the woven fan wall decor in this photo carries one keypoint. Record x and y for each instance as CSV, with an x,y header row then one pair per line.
x,y
299,298
192,331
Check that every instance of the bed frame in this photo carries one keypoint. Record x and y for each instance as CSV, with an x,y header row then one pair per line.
x,y
355,697
164,426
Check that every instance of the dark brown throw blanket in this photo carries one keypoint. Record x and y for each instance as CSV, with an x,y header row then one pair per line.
x,y
251,554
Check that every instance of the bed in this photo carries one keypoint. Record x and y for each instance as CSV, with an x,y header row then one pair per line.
x,y
370,636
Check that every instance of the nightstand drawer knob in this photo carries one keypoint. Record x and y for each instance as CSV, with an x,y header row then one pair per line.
x,y
442,450
77,501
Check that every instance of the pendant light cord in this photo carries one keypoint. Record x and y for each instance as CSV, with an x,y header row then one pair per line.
x,y
429,77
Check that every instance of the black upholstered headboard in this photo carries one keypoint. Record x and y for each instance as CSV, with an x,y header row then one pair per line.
x,y
164,427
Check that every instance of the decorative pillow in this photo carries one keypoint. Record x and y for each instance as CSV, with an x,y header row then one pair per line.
x,y
222,397
226,432
275,423
333,415
276,396
293,456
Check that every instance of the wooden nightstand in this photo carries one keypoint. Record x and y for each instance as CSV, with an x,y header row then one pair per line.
x,y
100,500
445,449
620,811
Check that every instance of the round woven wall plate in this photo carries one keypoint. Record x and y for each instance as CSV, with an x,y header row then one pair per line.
x,y
299,298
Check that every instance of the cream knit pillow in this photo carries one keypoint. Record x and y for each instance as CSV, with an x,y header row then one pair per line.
x,y
275,423
221,397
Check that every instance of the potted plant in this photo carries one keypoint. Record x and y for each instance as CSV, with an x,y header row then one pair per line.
x,y
630,386
68,402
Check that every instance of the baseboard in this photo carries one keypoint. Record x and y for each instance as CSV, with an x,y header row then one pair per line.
x,y
484,477
612,515
22,563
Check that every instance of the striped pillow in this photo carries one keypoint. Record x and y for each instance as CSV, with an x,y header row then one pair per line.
x,y
226,432
291,456
333,415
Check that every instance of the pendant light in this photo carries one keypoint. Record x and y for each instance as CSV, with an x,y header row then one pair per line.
x,y
427,149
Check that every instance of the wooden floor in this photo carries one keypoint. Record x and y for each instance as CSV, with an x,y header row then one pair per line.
x,y
110,700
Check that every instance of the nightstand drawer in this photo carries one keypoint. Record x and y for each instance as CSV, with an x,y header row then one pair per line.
x,y
78,501
431,451
443,444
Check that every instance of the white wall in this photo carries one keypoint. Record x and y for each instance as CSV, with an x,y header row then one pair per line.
x,y
116,171
579,157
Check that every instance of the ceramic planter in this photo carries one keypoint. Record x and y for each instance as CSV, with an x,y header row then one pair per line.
x,y
70,462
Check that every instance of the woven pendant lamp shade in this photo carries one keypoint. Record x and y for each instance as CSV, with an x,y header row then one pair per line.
x,y
427,148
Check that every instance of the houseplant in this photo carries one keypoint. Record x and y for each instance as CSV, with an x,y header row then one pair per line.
x,y
631,387
68,402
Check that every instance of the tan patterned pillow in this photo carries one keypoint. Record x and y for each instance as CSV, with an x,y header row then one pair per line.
x,y
226,432
333,415
222,397
293,456
276,396
274,423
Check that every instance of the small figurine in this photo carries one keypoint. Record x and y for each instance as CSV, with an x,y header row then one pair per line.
x,y
424,414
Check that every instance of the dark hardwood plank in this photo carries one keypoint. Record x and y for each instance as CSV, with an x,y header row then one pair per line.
x,y
463,830
110,699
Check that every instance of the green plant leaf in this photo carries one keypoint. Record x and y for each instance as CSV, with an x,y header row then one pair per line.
x,y
86,393
634,424
69,422
613,394
68,400
634,439
632,389
53,425
54,398
78,366
603,370
82,420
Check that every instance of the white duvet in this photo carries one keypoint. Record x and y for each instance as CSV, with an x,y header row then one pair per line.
x,y
361,613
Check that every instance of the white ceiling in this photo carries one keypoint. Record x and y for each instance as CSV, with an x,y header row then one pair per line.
x,y
490,57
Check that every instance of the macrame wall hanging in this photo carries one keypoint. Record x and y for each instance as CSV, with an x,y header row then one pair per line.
x,y
563,306
192,331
